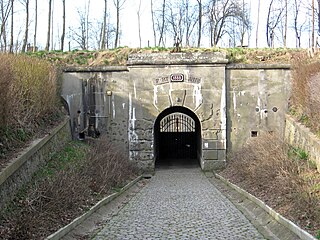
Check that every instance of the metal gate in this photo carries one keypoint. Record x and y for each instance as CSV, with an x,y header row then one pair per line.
x,y
177,137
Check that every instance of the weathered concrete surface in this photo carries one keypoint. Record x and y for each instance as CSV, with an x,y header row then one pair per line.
x,y
257,101
179,204
301,137
231,102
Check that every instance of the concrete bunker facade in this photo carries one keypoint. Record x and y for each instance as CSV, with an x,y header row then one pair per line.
x,y
210,106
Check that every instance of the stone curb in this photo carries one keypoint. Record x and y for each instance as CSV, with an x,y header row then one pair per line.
x,y
66,229
279,218
24,156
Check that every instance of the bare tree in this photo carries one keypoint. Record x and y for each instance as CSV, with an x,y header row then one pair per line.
x,y
12,28
190,21
139,24
87,23
285,24
297,23
119,5
274,18
161,23
258,23
25,39
221,15
49,26
104,26
199,21
35,26
79,34
153,23
63,24
244,24
5,13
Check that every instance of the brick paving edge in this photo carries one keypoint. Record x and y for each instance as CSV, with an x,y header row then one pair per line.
x,y
278,217
66,229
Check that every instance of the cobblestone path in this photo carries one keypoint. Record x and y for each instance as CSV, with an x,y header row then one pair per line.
x,y
179,204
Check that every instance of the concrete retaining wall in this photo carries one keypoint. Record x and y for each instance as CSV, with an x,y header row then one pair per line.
x,y
300,136
20,170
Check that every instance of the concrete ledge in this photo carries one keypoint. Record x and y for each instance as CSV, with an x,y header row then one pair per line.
x,y
19,170
300,136
66,229
179,58
279,218
258,66
16,163
97,69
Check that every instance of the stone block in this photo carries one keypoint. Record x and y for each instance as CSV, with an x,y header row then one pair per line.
x,y
209,165
211,144
210,154
141,146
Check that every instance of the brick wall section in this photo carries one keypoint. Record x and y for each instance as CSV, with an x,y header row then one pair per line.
x,y
300,136
20,170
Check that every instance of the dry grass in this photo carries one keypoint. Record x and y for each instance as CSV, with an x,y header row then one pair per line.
x,y
280,176
305,98
28,99
71,183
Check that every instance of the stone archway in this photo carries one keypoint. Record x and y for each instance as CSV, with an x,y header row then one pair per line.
x,y
177,138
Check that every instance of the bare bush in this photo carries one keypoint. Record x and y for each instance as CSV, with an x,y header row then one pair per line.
x,y
288,184
305,98
70,186
28,98
108,166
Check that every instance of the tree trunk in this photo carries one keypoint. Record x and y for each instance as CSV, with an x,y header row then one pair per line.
x,y
139,24
11,38
153,24
49,26
104,26
258,22
5,13
63,24
87,26
285,25
25,40
35,26
200,22
117,23
163,22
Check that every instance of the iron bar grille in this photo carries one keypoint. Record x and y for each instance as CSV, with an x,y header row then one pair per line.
x,y
177,122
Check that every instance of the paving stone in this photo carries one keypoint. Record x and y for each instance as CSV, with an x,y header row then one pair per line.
x,y
179,204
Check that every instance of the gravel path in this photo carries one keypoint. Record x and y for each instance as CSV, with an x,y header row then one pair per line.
x,y
179,204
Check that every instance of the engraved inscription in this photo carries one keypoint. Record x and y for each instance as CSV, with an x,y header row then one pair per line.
x,y
177,77
192,79
161,80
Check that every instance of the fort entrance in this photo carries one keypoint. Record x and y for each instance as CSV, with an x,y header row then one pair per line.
x,y
177,138
176,108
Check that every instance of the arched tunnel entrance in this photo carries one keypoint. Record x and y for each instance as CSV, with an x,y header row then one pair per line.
x,y
177,138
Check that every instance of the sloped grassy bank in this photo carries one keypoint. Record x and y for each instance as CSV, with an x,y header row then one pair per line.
x,y
72,182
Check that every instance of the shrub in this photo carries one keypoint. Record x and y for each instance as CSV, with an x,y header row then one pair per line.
x,y
70,184
28,98
305,98
279,175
